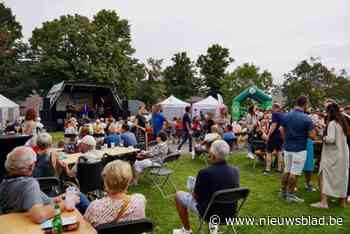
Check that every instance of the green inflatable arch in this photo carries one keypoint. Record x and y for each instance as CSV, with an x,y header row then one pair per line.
x,y
265,101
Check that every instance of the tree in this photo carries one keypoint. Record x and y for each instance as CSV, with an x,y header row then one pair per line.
x,y
315,80
13,68
151,87
75,47
243,77
179,77
213,67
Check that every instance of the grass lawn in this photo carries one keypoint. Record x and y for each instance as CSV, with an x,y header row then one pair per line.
x,y
263,200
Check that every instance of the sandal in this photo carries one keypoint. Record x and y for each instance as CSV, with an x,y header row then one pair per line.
x,y
319,205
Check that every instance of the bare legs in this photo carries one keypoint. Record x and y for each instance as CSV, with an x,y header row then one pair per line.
x,y
269,161
183,214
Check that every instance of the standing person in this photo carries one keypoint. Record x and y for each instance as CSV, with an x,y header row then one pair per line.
x,y
141,119
296,128
157,120
30,125
274,140
223,118
252,122
186,129
333,173
208,122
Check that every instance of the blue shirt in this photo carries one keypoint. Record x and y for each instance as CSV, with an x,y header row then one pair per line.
x,y
277,118
112,138
229,136
297,126
129,139
157,122
209,180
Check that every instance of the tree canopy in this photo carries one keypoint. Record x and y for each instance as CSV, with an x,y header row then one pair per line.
x,y
243,77
212,67
179,77
75,47
312,78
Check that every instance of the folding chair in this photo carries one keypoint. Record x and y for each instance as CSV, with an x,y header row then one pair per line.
x,y
161,176
51,186
129,227
90,178
225,199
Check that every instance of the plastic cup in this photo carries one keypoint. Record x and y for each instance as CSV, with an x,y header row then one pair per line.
x,y
191,182
69,202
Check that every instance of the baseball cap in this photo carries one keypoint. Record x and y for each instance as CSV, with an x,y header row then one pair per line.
x,y
210,137
88,140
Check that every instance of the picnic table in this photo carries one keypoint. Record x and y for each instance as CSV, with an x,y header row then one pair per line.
x,y
115,152
19,223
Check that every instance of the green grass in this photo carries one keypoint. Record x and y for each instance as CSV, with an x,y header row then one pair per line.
x,y
263,200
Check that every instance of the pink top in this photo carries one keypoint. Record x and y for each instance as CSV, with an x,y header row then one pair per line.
x,y
105,210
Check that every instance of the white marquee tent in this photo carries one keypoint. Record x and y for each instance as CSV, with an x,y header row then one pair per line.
x,y
206,105
9,110
173,107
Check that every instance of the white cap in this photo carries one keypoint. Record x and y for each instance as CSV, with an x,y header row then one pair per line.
x,y
88,140
210,137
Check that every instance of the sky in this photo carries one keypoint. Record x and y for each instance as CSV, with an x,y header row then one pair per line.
x,y
273,34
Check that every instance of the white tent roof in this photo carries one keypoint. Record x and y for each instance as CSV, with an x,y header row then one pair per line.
x,y
5,102
209,101
174,102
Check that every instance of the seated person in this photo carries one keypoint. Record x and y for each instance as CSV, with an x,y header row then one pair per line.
x,y
219,175
85,131
48,163
229,135
117,206
98,128
87,148
71,128
113,136
236,127
205,144
20,192
258,140
128,138
153,157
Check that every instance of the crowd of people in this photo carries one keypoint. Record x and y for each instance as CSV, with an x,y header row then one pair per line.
x,y
289,136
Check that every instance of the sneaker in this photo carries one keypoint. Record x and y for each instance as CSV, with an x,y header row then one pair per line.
x,y
293,198
250,156
266,172
310,188
319,205
213,229
193,154
182,231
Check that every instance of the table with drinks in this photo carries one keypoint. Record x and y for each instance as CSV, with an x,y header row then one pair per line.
x,y
20,223
114,151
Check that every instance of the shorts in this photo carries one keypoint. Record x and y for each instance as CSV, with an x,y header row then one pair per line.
x,y
274,144
141,165
294,162
187,200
